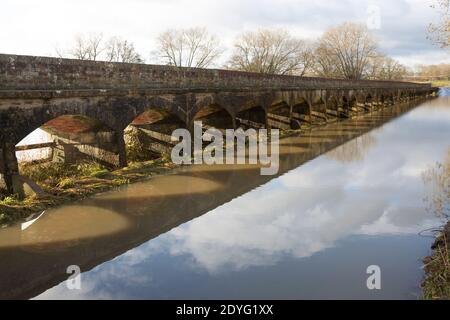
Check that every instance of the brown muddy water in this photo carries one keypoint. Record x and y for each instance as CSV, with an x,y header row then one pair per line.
x,y
348,195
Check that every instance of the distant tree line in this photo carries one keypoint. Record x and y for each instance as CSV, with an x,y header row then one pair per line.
x,y
95,47
348,51
432,72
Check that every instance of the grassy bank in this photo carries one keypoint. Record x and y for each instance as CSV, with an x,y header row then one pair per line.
x,y
441,84
436,285
63,183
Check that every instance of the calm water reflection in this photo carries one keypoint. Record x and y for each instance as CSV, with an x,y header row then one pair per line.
x,y
226,232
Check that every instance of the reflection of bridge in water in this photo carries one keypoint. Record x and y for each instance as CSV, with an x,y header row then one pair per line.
x,y
108,97
97,230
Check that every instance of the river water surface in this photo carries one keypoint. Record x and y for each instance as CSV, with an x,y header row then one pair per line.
x,y
349,195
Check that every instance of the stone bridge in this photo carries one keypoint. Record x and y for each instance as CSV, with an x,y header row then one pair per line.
x,y
35,91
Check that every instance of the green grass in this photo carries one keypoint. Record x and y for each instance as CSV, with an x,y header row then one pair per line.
x,y
442,83
52,174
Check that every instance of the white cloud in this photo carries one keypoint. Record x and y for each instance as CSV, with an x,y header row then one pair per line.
x,y
37,27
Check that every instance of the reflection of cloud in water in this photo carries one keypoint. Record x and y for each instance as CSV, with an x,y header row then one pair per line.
x,y
100,282
312,207
306,210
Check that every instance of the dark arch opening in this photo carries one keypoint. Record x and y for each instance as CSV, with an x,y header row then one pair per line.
x,y
390,99
353,105
215,116
332,108
254,117
279,115
346,109
149,135
319,111
369,102
301,112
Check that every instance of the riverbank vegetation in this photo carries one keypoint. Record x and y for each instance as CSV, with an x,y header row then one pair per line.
x,y
436,285
441,83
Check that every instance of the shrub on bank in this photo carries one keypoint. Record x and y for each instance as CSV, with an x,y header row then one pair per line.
x,y
436,285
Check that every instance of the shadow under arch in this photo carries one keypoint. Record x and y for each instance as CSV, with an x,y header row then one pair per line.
x,y
214,116
319,111
369,99
72,138
333,107
251,118
279,115
149,135
301,113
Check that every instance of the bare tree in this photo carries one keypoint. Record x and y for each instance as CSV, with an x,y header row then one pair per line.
x,y
439,71
86,47
439,32
272,52
119,50
385,68
345,51
194,47
326,65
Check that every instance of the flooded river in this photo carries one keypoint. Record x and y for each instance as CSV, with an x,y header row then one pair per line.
x,y
349,195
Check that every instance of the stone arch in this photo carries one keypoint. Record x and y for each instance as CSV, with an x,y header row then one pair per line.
x,y
136,106
214,115
149,135
29,120
71,138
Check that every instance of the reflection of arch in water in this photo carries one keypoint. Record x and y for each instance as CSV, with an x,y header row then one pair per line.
x,y
354,150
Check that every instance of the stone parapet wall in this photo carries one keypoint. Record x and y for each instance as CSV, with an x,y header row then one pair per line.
x,y
44,73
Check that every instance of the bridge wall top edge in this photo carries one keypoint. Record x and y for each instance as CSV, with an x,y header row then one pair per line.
x,y
18,72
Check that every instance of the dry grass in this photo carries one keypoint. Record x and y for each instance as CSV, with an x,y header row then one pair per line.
x,y
441,84
436,285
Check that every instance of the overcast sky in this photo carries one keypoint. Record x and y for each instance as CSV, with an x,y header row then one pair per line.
x,y
37,27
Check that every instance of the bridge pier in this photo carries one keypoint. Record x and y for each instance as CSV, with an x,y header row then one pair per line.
x,y
9,168
121,149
